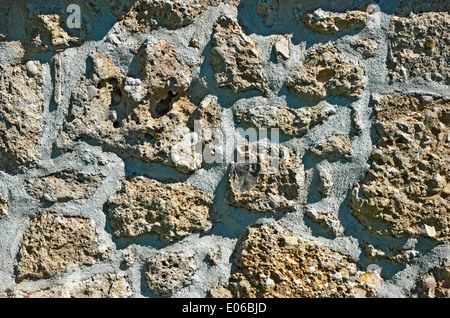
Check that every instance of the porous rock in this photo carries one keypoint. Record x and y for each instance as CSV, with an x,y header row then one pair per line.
x,y
332,22
268,180
294,268
173,211
154,14
335,147
63,186
291,122
235,59
327,72
150,128
21,118
419,47
406,191
52,243
169,272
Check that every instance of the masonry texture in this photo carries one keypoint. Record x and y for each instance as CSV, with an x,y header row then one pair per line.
x,y
125,170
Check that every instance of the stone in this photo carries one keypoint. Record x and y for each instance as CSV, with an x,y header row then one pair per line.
x,y
151,128
283,273
220,291
262,186
435,283
405,188
327,72
368,47
21,118
32,68
326,22
92,92
291,122
169,272
47,34
418,47
325,185
162,70
99,286
235,58
155,14
4,206
63,186
172,211
335,147
52,243
281,49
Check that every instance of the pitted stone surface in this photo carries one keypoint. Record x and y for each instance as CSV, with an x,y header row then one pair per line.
x,y
170,272
235,59
327,72
331,22
52,243
290,122
406,191
150,128
172,211
269,185
64,186
21,117
272,263
419,47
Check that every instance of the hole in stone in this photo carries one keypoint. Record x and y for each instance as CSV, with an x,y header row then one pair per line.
x,y
116,97
164,106
117,124
325,75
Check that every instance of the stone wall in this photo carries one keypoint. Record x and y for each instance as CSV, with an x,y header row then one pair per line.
x,y
124,166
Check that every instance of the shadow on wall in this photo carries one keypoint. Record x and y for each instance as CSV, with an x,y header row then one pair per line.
x,y
47,28
270,17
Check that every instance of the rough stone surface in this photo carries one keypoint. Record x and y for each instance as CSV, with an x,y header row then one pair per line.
x,y
327,72
163,72
3,206
21,118
147,127
330,22
99,286
156,14
419,47
64,186
434,284
46,33
334,148
52,243
169,272
256,186
235,58
272,263
290,122
173,211
406,191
